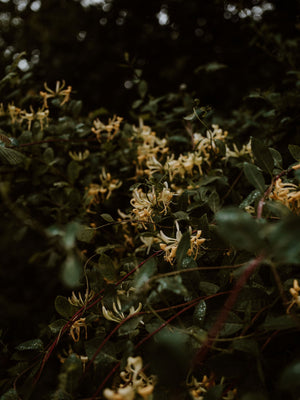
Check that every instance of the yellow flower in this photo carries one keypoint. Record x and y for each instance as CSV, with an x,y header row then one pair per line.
x,y
288,194
80,156
117,315
135,382
170,244
295,293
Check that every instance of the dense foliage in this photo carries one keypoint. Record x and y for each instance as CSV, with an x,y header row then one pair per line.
x,y
153,254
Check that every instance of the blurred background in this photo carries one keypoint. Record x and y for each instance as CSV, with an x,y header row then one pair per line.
x,y
219,50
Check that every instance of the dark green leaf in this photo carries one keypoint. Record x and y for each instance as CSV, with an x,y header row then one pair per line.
x,y
262,155
63,307
85,233
208,288
183,247
35,344
107,217
129,327
239,228
279,323
56,326
107,269
199,313
143,87
145,272
73,170
284,239
214,202
276,157
249,346
172,284
254,176
10,156
295,151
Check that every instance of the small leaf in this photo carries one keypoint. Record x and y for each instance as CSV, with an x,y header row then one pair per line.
x,y
214,393
107,217
107,269
73,171
276,157
56,326
262,155
63,307
35,344
199,313
254,176
142,88
214,201
295,151
145,272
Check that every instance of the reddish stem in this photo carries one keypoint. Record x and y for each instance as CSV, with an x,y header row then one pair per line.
x,y
79,313
229,303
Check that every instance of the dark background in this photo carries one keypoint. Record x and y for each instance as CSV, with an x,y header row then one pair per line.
x,y
170,41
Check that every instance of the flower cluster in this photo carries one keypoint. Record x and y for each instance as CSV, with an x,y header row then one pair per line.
x,y
111,129
169,245
59,92
145,204
117,315
135,383
96,192
18,116
198,389
149,150
294,291
288,194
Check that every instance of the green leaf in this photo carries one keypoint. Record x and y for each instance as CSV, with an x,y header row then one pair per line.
x,y
232,325
281,322
249,346
254,176
199,313
183,247
72,367
129,327
208,288
172,284
85,233
35,344
107,355
107,269
262,155
142,88
63,307
276,157
284,239
57,325
10,156
145,272
48,155
239,228
107,217
214,201
73,170
295,151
